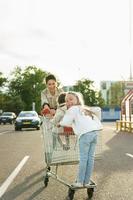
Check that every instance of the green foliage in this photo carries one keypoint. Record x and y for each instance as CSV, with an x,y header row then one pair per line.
x,y
12,104
91,97
116,94
15,85
28,85
3,80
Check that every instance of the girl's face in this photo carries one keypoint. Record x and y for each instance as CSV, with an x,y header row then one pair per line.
x,y
51,85
71,100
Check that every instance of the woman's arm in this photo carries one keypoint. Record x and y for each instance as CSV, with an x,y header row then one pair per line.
x,y
44,99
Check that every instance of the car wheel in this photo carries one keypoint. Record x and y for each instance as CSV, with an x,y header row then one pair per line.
x,y
17,129
38,128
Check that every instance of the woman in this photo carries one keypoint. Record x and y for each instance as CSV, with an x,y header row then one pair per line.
x,y
50,95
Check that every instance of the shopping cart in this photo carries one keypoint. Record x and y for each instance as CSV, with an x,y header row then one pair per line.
x,y
67,153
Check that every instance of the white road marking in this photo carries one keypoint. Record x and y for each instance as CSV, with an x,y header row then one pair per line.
x,y
4,132
10,179
130,155
109,128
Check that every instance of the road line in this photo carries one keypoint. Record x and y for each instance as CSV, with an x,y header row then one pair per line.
x,y
4,132
10,179
130,155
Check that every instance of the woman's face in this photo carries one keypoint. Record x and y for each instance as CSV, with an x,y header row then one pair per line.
x,y
51,85
71,100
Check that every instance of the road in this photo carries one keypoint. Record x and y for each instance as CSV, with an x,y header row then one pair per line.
x,y
22,167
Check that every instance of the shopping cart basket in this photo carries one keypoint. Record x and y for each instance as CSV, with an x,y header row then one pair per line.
x,y
63,152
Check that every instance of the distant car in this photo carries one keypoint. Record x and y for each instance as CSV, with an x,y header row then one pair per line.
x,y
27,119
7,117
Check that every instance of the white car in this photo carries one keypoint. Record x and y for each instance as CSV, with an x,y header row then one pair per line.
x,y
27,119
7,117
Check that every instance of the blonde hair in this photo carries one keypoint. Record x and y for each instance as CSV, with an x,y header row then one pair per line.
x,y
80,101
78,95
87,111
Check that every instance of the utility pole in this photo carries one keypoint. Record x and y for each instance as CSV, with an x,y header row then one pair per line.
x,y
130,38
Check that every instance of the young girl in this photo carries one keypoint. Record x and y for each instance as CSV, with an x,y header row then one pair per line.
x,y
85,125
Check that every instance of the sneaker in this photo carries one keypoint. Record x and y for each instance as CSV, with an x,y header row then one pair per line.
x,y
88,184
77,184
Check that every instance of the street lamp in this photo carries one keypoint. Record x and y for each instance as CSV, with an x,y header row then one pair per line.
x,y
33,103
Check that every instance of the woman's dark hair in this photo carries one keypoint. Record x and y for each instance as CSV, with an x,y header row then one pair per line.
x,y
61,98
50,77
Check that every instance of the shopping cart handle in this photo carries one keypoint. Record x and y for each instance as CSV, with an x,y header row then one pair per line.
x,y
68,129
45,111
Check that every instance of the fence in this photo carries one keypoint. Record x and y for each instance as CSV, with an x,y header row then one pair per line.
x,y
110,114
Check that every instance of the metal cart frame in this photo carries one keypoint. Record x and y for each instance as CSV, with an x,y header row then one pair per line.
x,y
57,157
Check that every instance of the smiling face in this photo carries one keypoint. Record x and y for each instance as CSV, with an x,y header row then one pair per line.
x,y
71,100
51,85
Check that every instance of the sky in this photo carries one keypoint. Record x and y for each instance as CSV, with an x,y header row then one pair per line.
x,y
73,39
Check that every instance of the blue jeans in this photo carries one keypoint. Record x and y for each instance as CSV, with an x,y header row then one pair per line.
x,y
87,144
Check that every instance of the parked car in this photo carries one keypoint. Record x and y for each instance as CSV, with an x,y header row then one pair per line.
x,y
7,117
27,119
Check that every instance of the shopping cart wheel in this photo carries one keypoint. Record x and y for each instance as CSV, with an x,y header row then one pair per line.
x,y
90,193
70,194
46,180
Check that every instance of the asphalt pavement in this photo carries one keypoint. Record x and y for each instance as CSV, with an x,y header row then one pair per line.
x,y
22,167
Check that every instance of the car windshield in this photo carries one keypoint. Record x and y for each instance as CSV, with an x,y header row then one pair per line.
x,y
27,115
7,114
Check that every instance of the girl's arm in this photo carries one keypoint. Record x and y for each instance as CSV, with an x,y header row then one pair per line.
x,y
68,117
57,117
97,123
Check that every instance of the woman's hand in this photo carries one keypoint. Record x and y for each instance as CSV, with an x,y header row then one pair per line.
x,y
58,125
46,110
52,112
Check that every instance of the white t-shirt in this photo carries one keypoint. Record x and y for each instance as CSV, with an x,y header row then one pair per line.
x,y
81,123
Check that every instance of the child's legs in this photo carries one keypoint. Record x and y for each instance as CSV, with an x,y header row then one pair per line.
x,y
67,140
90,162
83,149
54,140
59,140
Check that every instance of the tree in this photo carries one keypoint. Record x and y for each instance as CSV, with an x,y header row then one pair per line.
x,y
3,80
91,97
12,104
116,94
15,84
28,84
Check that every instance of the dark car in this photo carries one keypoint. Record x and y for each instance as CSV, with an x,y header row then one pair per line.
x,y
7,117
27,119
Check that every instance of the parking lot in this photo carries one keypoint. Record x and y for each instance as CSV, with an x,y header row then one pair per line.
x,y
23,150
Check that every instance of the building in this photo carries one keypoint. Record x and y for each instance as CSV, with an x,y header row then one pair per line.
x,y
104,89
68,88
105,86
